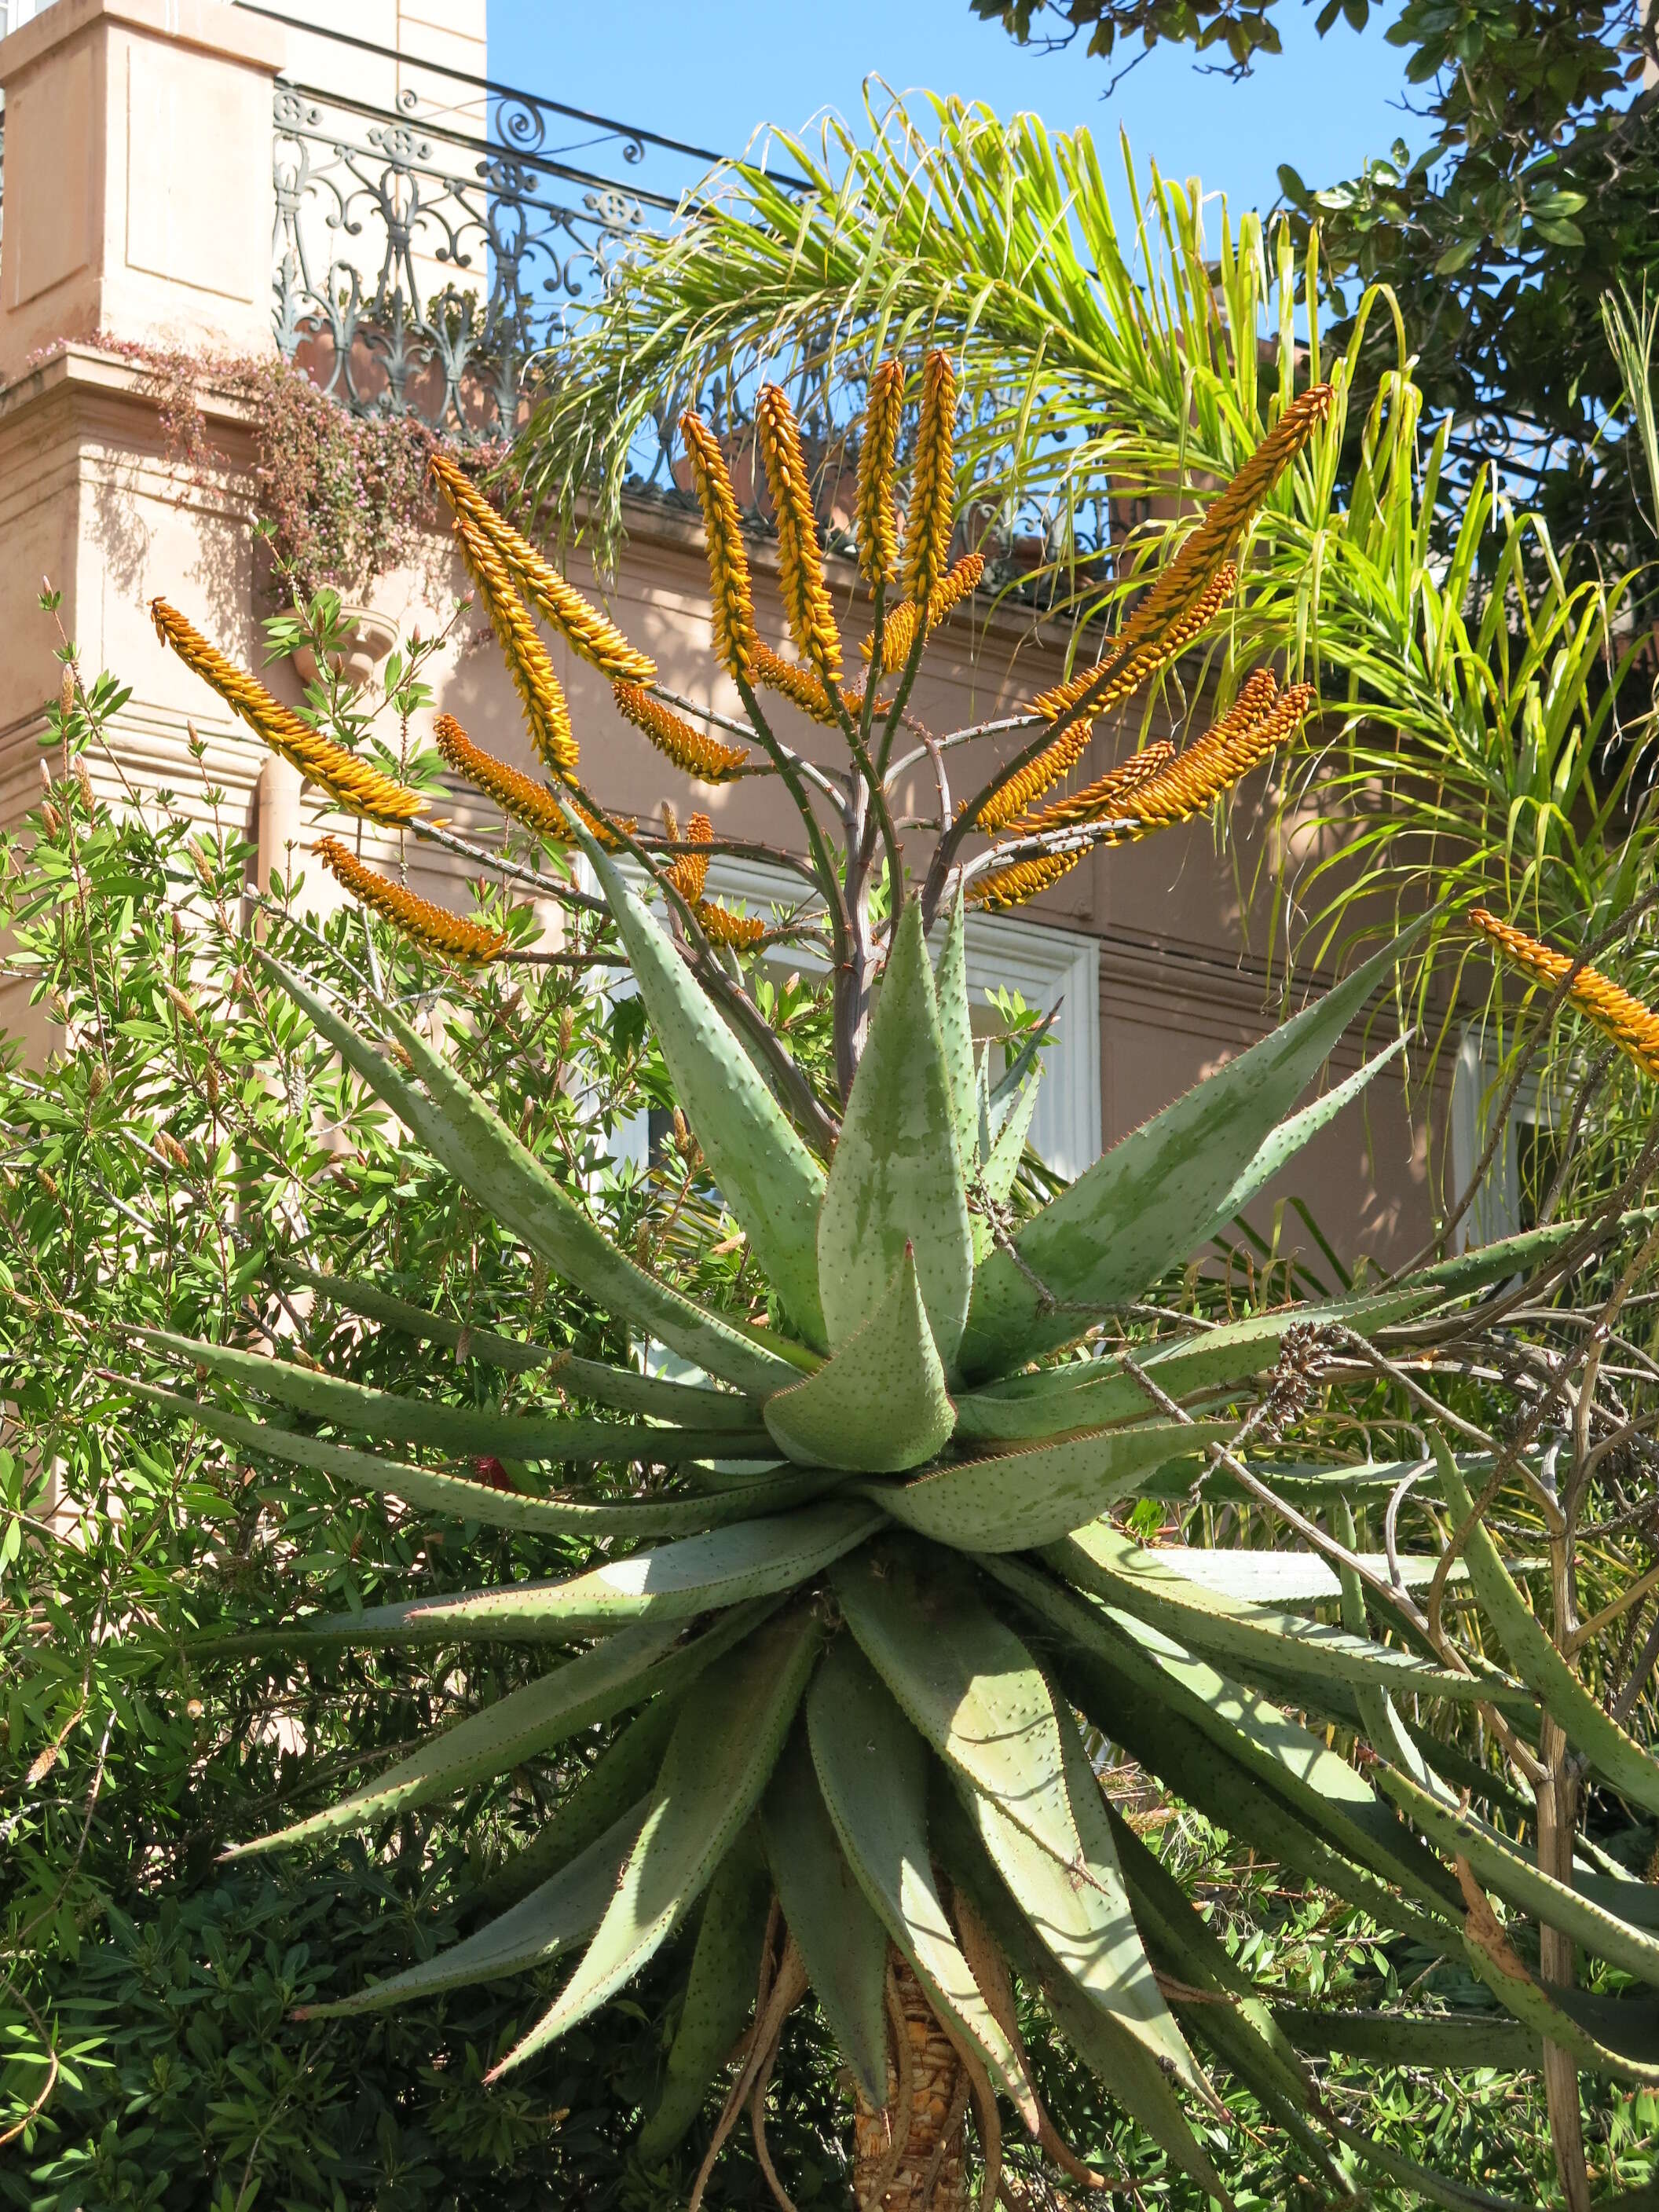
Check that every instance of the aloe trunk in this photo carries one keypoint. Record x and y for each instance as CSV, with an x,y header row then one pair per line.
x,y
910,2156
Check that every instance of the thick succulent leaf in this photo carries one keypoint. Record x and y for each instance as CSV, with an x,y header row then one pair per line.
x,y
667,1582
1118,2062
842,1942
719,1994
1323,1790
1206,1775
1026,1497
766,1176
464,1135
969,1685
1145,1582
872,1770
632,1520
1433,2188
625,1670
878,1403
1628,1898
619,1778
1519,1254
897,1178
1090,1392
684,1404
1143,1208
996,1177
1500,1868
563,1912
956,1028
1617,1757
999,1095
718,1760
1290,1578
1459,2041
1289,1138
1616,2037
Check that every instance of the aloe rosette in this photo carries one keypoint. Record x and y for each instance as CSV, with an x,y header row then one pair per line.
x,y
858,1590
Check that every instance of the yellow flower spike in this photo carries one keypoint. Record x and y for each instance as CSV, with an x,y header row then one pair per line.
x,y
898,632
1127,667
691,750
1633,1027
1022,880
688,872
353,783
802,690
432,927
542,695
800,561
588,632
732,602
1057,759
721,926
1222,757
1182,581
932,516
876,526
515,793
1107,796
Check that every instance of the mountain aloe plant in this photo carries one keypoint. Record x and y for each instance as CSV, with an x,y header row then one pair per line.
x,y
859,1602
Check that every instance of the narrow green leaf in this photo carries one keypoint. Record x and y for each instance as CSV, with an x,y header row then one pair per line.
x,y
1023,1499
619,1778
719,1994
718,1762
1279,1150
897,1178
1146,1583
1460,2041
880,1401
1144,1206
626,1669
957,1035
1617,1757
766,1176
668,1582
634,1520
997,1176
841,1941
463,1134
684,1404
1616,2037
553,1919
872,1770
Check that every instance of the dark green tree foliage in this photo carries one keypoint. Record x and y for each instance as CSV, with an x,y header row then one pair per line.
x,y
1532,197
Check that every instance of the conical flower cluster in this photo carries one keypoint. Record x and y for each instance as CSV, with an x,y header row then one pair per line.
x,y
432,927
1633,1027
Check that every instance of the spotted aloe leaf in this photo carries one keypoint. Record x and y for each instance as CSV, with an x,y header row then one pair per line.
x,y
897,1178
1280,1148
464,1135
957,1035
880,1401
766,1176
618,1778
719,1760
1144,1206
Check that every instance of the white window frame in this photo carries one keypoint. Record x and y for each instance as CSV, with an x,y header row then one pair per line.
x,y
1047,967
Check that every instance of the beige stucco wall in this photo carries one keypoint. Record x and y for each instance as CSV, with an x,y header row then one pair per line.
x,y
91,497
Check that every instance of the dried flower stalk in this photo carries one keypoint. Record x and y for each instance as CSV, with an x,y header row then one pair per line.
x,y
800,561
690,748
876,525
732,600
590,634
432,927
1633,1027
352,782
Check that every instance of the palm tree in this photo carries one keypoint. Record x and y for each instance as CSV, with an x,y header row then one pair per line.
x,y
855,1582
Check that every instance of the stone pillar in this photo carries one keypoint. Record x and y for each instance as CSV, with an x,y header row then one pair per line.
x,y
139,204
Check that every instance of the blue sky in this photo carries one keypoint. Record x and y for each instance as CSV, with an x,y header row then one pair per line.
x,y
711,71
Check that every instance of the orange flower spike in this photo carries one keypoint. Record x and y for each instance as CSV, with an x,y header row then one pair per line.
x,y
876,526
1632,1026
688,872
546,714
732,600
1022,880
898,632
1222,757
742,932
1108,796
588,632
933,485
691,750
355,783
800,560
1057,759
433,927
516,794
1126,667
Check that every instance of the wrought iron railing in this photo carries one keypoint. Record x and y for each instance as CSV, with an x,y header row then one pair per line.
x,y
427,258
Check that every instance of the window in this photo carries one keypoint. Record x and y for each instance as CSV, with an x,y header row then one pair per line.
x,y
1521,1168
